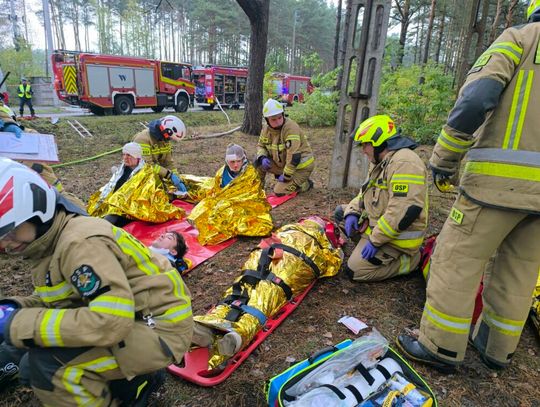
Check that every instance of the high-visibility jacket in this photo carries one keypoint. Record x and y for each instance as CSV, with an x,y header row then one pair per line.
x,y
94,283
25,91
395,202
288,147
156,152
495,121
6,114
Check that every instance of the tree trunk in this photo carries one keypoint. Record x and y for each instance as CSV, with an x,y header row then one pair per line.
x,y
258,12
405,13
464,64
481,30
494,25
429,31
510,14
338,26
441,34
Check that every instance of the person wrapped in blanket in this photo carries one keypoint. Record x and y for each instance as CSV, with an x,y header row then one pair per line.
x,y
281,267
134,192
172,245
235,205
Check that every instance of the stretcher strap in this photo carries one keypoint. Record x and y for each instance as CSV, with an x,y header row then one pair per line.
x,y
299,254
252,277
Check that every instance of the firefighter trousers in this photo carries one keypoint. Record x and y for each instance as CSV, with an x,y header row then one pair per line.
x,y
299,182
470,236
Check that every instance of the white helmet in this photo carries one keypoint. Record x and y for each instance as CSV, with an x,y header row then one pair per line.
x,y
23,195
171,127
272,107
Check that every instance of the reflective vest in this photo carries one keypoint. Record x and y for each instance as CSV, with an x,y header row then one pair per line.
x,y
25,91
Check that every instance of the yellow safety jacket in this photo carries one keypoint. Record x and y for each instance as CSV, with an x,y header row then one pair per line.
x,y
156,152
93,284
6,114
25,91
395,202
288,147
495,122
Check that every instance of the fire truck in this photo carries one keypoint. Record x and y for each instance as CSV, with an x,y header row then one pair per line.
x,y
223,84
291,88
117,84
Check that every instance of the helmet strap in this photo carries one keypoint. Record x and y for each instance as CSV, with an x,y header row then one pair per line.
x,y
378,150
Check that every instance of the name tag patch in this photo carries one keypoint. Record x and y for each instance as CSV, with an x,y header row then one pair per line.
x,y
400,189
456,215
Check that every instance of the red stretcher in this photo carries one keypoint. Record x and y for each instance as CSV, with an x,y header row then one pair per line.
x,y
194,367
148,232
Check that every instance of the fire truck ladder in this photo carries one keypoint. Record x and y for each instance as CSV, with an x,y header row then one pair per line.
x,y
80,129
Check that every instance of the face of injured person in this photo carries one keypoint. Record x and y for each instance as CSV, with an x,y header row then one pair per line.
x,y
166,241
235,165
129,160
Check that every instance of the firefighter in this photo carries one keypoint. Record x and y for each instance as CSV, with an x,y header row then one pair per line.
x,y
25,93
496,213
283,150
105,309
391,210
157,149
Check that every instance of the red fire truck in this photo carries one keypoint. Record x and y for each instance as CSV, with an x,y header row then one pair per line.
x,y
117,84
291,88
223,84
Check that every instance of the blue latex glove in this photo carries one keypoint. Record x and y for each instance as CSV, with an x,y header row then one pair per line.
x,y
13,128
281,178
266,163
5,312
369,251
177,182
351,224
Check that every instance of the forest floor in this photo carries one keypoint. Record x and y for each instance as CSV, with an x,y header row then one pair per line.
x,y
390,306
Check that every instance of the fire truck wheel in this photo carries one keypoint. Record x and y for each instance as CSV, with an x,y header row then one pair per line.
x,y
157,109
182,105
123,105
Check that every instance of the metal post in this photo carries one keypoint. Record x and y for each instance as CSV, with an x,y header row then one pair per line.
x,y
48,37
365,37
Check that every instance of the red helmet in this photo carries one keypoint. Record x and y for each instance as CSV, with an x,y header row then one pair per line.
x,y
23,195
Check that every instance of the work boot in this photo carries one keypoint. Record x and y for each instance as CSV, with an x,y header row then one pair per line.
x,y
412,349
137,391
306,186
230,344
490,363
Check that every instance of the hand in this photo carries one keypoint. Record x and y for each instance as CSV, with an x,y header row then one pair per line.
x,y
5,312
266,163
177,182
369,251
281,178
441,179
351,224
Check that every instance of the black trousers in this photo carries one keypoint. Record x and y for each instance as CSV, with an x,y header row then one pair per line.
x,y
26,101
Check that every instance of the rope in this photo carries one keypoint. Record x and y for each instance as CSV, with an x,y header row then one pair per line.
x,y
83,160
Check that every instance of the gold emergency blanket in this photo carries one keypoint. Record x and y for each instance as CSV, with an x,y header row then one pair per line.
x,y
307,237
142,197
535,309
240,208
198,187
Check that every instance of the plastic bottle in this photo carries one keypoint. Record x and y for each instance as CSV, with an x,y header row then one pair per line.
x,y
408,389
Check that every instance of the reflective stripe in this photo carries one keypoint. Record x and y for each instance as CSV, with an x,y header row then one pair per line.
x,y
146,148
404,264
409,179
50,327
73,374
520,102
531,158
276,147
386,228
180,312
503,170
305,162
55,293
509,49
446,322
452,143
505,326
138,252
380,183
293,137
405,240
106,304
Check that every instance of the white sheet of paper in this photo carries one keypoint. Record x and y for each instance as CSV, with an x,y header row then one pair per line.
x,y
46,149
354,324
26,144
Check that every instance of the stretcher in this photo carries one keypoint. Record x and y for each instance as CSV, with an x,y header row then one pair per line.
x,y
194,367
196,254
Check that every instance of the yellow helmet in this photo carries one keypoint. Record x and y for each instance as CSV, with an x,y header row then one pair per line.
x,y
534,6
375,130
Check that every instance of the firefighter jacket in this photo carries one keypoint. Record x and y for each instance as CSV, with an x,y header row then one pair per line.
x,y
25,91
94,284
395,202
157,152
495,121
287,146
7,115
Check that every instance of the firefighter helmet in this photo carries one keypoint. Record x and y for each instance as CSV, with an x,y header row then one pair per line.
x,y
23,195
375,130
172,127
534,6
272,107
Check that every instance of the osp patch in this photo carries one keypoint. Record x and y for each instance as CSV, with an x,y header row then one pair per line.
x,y
85,280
